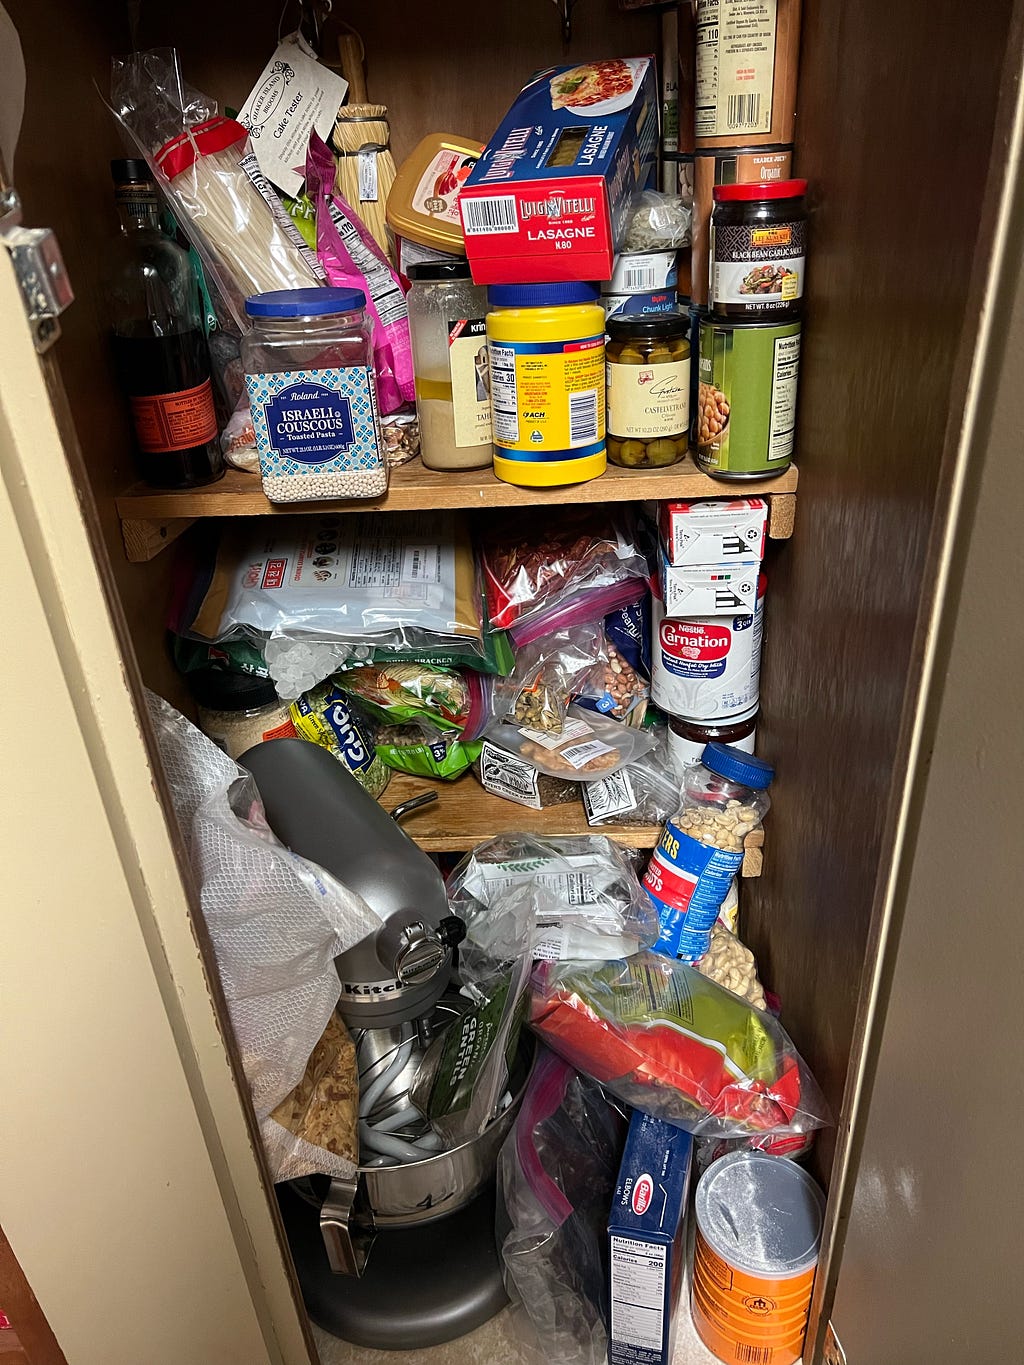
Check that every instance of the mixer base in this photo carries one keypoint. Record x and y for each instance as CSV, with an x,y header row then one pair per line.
x,y
423,1285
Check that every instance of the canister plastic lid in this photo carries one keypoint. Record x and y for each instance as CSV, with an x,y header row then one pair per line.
x,y
131,170
774,189
736,766
219,690
762,1214
648,326
541,295
304,303
428,272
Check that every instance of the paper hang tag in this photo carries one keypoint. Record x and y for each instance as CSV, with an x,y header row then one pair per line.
x,y
367,175
293,95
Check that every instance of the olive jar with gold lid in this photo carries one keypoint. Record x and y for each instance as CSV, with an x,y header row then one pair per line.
x,y
648,375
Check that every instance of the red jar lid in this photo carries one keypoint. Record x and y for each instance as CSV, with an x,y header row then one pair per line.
x,y
774,189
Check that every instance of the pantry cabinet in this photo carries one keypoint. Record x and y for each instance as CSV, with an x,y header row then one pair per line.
x,y
132,1189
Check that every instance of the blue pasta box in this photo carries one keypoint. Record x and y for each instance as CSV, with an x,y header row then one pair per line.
x,y
550,197
647,1242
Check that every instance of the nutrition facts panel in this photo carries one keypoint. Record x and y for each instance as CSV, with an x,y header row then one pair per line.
x,y
638,1292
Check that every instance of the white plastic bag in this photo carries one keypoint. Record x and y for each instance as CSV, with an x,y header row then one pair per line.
x,y
276,924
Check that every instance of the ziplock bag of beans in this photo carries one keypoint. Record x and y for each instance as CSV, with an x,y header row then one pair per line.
x,y
666,1040
557,1170
586,900
588,747
546,571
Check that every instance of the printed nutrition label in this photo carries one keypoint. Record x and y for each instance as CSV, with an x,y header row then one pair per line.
x,y
638,1292
782,427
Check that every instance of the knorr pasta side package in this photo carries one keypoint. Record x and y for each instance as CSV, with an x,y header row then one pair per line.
x,y
550,197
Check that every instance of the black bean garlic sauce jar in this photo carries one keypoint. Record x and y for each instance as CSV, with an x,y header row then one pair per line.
x,y
758,250
648,373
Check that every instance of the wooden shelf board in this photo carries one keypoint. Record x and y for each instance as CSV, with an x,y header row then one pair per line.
x,y
465,815
152,519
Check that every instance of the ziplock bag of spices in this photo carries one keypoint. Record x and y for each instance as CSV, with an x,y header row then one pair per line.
x,y
667,1040
405,580
196,156
587,902
550,570
353,260
546,674
462,1079
556,1171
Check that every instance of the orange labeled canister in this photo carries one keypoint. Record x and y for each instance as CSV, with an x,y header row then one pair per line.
x,y
759,1223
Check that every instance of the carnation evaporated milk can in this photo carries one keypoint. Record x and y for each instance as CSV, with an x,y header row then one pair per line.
x,y
707,668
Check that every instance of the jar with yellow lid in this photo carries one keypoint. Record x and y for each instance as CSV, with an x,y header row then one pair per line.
x,y
648,357
545,346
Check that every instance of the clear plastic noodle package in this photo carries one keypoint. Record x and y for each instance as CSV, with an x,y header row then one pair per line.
x,y
197,157
665,1039
557,1171
585,897
276,923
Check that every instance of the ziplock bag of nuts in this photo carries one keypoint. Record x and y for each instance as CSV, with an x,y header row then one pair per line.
x,y
549,570
588,747
587,902
666,1040
557,1170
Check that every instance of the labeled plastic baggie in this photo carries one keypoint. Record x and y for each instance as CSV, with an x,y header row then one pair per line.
x,y
547,672
665,1039
557,1171
546,571
585,897
587,748
462,1081
645,792
276,924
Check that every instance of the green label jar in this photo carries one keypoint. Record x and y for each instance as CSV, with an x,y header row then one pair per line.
x,y
746,405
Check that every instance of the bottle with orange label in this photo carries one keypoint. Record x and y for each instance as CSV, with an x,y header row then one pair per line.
x,y
160,349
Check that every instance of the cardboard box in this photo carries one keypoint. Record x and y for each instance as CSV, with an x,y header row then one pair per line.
x,y
647,1242
527,220
713,530
709,589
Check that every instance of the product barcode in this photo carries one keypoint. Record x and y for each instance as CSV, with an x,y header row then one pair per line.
x,y
743,111
640,278
483,216
582,417
754,1355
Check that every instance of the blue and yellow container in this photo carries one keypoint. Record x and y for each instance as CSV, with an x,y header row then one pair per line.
x,y
545,346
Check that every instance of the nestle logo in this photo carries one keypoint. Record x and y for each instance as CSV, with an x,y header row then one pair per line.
x,y
694,640
643,1193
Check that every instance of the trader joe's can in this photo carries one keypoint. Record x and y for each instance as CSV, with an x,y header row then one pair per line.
x,y
746,401
707,668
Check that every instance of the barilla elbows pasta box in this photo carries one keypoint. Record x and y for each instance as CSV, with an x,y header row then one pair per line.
x,y
647,1242
550,197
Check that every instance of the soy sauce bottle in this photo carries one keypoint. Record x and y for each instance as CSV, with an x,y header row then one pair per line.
x,y
160,349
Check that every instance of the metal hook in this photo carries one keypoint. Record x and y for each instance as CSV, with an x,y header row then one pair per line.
x,y
413,803
565,9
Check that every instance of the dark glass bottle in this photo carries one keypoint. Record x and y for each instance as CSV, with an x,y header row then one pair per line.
x,y
162,358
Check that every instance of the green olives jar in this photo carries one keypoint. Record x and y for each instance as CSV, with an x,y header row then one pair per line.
x,y
648,374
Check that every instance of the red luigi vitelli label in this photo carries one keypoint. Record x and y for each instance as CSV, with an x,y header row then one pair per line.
x,y
694,648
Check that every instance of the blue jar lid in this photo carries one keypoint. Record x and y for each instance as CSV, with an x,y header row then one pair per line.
x,y
304,303
736,766
541,295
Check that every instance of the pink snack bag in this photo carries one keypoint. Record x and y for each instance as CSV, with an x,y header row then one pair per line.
x,y
353,260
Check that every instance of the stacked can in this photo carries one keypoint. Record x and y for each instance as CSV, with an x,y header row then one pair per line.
x,y
707,622
745,117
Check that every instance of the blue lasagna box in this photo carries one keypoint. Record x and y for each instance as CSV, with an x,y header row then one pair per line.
x,y
647,1242
550,197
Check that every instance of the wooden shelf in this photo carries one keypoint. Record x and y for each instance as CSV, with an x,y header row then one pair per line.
x,y
464,815
151,519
